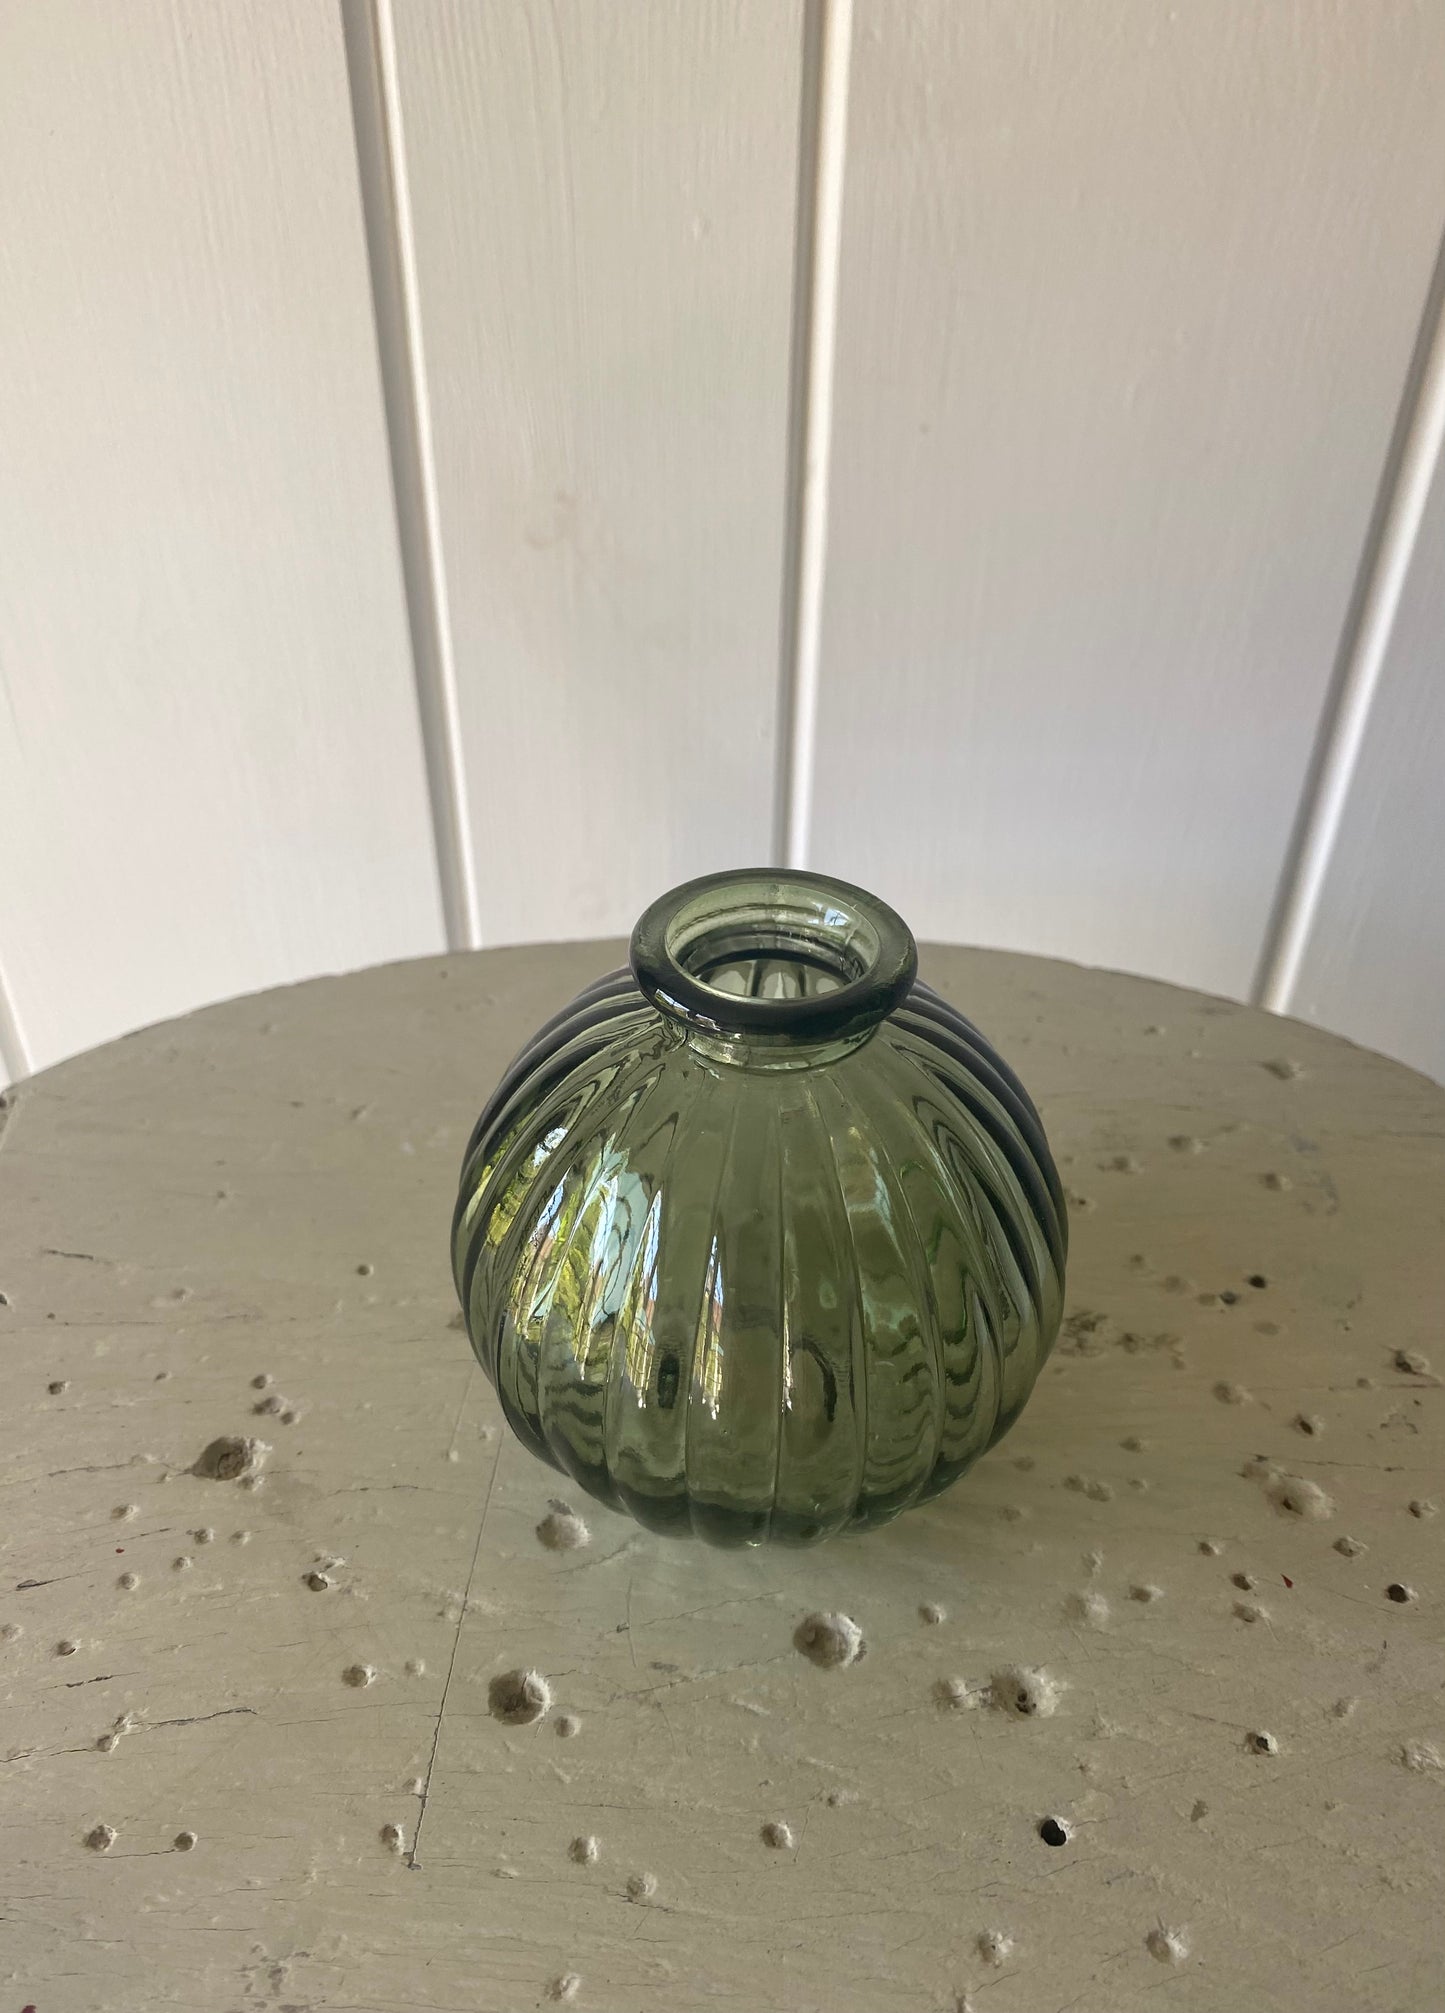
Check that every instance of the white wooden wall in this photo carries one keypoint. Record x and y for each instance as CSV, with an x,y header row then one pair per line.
x,y
464,467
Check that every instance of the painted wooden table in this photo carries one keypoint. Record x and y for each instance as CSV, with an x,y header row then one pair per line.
x,y
268,1549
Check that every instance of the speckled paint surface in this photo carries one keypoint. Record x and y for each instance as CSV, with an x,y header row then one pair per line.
x,y
319,1692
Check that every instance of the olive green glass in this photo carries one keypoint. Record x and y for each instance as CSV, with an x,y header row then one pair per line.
x,y
760,1240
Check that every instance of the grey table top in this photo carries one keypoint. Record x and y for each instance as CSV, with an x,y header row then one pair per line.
x,y
249,1757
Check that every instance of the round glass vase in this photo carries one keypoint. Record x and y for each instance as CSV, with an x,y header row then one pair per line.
x,y
760,1240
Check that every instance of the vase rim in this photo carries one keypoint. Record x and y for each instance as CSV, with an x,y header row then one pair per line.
x,y
795,929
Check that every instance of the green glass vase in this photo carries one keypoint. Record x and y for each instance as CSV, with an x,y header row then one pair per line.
x,y
760,1240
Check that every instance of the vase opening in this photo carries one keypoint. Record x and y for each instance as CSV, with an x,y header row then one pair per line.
x,y
769,966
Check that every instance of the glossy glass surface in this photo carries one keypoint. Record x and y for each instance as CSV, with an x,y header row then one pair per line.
x,y
760,1240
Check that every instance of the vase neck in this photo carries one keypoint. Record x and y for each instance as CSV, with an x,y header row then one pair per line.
x,y
773,969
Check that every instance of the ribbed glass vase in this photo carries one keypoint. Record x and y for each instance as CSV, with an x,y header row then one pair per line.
x,y
760,1240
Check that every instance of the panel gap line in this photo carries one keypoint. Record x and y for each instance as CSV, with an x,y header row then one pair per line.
x,y
818,233
369,31
1413,459
15,1057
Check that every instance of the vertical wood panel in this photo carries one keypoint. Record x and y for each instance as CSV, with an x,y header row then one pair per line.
x,y
1127,298
603,204
210,772
1374,960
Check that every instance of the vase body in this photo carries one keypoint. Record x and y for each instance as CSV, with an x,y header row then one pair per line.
x,y
759,1240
